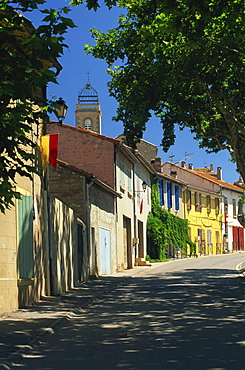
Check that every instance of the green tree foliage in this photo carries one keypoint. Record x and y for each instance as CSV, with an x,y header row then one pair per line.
x,y
26,60
184,62
164,229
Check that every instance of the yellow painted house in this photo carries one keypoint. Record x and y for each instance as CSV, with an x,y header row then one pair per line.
x,y
201,202
203,211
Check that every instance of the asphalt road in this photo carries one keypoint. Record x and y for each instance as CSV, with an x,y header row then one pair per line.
x,y
186,314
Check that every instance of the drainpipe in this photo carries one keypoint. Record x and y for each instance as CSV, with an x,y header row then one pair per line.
x,y
116,207
88,208
135,216
46,242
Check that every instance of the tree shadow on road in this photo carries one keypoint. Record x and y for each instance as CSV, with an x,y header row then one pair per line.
x,y
193,319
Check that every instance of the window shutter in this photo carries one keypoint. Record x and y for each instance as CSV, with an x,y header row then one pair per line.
x,y
160,184
188,199
176,193
25,238
217,206
169,194
208,203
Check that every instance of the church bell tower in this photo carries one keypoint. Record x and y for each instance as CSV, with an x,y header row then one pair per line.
x,y
88,112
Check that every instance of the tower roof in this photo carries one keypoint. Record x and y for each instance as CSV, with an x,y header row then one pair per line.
x,y
88,94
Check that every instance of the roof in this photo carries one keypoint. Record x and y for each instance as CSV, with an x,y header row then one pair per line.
x,y
88,94
211,178
85,131
122,147
91,177
145,163
174,179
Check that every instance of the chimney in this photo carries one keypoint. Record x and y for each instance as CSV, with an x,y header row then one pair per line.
x,y
219,173
211,167
183,164
157,164
190,166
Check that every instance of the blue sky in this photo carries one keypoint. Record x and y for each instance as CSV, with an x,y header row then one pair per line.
x,y
76,64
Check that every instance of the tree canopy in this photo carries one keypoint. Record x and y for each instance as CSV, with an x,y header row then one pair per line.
x,y
182,61
26,60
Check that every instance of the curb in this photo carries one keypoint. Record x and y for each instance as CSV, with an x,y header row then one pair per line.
x,y
16,357
34,343
240,268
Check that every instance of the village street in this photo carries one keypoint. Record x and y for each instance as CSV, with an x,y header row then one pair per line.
x,y
185,314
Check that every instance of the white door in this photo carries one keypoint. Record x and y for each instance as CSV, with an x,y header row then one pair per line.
x,y
105,251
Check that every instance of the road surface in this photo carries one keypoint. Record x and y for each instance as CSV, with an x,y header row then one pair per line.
x,y
185,314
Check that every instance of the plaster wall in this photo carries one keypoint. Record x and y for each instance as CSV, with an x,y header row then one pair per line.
x,y
142,208
208,222
191,178
88,151
8,261
125,211
63,247
103,214
15,292
231,219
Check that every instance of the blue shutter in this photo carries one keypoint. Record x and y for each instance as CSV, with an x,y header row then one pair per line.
x,y
176,194
160,184
25,238
169,194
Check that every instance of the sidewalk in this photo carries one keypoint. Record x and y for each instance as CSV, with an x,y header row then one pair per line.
x,y
25,329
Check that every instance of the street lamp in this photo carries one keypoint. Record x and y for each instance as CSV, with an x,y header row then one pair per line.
x,y
61,109
144,186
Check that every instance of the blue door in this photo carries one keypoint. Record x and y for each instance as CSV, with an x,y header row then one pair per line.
x,y
105,251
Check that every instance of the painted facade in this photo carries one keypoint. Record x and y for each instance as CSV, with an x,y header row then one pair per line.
x,y
115,165
211,207
95,205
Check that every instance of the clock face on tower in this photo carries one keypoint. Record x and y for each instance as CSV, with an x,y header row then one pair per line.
x,y
87,124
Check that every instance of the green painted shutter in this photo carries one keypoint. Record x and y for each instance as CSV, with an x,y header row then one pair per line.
x,y
25,238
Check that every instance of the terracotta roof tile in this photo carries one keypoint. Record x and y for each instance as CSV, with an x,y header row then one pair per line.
x,y
210,178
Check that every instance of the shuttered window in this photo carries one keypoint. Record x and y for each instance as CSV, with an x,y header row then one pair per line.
x,y
25,238
161,191
169,194
122,179
217,206
208,203
130,190
176,196
198,200
234,208
188,199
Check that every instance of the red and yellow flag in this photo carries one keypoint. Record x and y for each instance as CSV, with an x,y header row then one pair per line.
x,y
49,150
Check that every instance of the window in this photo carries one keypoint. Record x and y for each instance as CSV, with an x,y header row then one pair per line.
x,y
87,124
169,194
208,203
234,208
122,180
209,238
161,191
225,205
138,184
129,180
217,206
198,200
176,196
188,200
148,194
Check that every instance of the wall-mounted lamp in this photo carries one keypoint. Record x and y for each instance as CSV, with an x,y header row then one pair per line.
x,y
61,109
144,186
